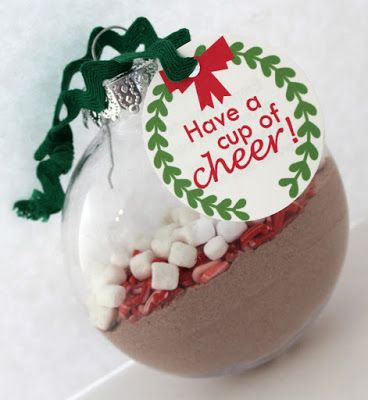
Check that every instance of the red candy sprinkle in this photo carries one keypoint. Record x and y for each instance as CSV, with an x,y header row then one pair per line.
x,y
132,281
232,252
201,269
124,311
156,298
185,277
255,243
252,232
278,221
293,208
159,259
213,271
201,257
176,292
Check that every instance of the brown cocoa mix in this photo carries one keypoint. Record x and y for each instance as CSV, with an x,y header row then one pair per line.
x,y
258,305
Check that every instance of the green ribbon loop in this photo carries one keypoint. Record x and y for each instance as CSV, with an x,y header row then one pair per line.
x,y
55,154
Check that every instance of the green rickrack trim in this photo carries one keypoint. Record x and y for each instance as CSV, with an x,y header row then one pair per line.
x,y
172,174
294,91
58,144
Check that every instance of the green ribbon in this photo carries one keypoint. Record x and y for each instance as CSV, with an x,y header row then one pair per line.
x,y
55,154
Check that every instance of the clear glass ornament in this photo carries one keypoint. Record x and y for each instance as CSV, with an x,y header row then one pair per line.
x,y
241,309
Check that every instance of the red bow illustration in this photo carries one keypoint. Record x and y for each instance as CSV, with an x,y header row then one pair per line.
x,y
215,58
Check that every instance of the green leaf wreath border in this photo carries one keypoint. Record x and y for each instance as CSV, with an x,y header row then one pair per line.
x,y
171,174
303,110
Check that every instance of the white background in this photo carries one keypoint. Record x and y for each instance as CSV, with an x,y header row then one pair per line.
x,y
47,348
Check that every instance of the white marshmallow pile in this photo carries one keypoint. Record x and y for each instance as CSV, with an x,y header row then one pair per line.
x,y
106,295
163,239
175,242
120,259
103,317
183,255
110,295
165,276
230,230
197,232
141,243
111,274
215,248
140,265
183,215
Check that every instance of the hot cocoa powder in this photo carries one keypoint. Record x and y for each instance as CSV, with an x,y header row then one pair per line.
x,y
258,305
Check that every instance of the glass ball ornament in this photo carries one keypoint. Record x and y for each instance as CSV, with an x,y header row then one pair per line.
x,y
220,302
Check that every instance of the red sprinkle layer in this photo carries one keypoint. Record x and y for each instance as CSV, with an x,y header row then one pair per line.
x,y
142,300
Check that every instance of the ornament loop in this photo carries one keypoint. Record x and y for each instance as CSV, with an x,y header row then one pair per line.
x,y
95,40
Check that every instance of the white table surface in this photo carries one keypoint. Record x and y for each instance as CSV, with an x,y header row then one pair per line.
x,y
48,350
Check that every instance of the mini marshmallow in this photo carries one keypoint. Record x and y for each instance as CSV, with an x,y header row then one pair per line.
x,y
141,242
183,215
215,222
110,295
161,245
140,265
120,259
230,230
197,232
165,276
103,318
166,230
167,218
215,248
111,274
183,255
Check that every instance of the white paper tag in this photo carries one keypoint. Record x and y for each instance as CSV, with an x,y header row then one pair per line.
x,y
241,139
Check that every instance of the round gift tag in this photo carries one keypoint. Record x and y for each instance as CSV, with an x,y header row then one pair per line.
x,y
240,138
